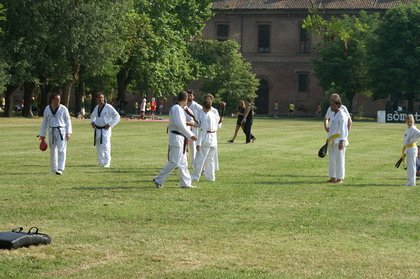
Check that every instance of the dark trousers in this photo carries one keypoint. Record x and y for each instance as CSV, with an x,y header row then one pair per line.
x,y
247,130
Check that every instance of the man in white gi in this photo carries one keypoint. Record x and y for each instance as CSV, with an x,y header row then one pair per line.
x,y
330,113
337,142
179,133
210,98
102,119
206,143
194,108
58,123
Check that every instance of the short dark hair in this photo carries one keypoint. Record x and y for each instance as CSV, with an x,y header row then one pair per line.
x,y
52,96
183,95
190,91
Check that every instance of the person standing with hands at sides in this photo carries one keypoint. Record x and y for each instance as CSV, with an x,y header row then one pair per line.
x,y
337,142
210,98
206,144
411,136
329,114
276,108
247,121
153,108
179,133
240,114
143,107
192,110
103,118
58,123
291,109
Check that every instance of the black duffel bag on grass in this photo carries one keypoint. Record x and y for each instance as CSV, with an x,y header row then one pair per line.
x,y
17,238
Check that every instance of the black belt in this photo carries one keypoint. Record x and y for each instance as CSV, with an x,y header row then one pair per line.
x,y
59,130
185,140
94,134
211,132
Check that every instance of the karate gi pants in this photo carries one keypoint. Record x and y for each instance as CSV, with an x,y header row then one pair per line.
x,y
205,159
192,150
337,158
411,154
177,159
58,150
103,150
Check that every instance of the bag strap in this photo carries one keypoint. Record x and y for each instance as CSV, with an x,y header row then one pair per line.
x,y
30,230
18,229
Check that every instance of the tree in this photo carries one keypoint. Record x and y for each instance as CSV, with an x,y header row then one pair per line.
x,y
47,42
223,71
156,57
341,57
394,54
3,65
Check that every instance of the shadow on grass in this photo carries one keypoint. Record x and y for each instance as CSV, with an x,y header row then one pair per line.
x,y
111,188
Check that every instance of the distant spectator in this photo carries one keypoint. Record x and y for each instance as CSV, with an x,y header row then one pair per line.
x,y
291,109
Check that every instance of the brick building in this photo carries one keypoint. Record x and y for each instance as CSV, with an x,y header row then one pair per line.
x,y
280,51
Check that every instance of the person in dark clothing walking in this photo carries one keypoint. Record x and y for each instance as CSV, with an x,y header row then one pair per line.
x,y
247,121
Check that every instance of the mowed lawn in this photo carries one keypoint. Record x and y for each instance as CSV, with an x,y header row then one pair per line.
x,y
270,213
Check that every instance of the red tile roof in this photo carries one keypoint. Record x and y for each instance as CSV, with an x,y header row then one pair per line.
x,y
305,4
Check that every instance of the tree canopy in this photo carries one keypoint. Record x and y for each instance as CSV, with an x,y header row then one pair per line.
x,y
341,57
394,54
223,71
145,47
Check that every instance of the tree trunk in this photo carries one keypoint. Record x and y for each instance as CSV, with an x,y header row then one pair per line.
x,y
80,92
8,109
350,97
45,90
28,89
123,79
65,98
92,100
410,107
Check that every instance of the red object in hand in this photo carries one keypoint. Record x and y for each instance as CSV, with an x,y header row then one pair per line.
x,y
43,145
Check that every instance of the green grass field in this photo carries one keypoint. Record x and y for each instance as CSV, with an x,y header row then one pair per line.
x,y
270,213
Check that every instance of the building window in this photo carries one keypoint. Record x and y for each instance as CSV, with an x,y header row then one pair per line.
x,y
222,32
303,82
263,38
305,40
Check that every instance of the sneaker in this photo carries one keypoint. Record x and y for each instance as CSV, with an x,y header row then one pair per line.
x,y
253,139
231,141
157,184
107,166
188,187
59,172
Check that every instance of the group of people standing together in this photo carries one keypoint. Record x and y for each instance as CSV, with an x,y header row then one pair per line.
x,y
147,108
337,124
57,123
192,127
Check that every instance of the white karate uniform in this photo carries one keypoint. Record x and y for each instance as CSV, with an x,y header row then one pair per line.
x,y
216,155
330,113
178,132
107,116
58,125
337,158
192,145
207,140
411,136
